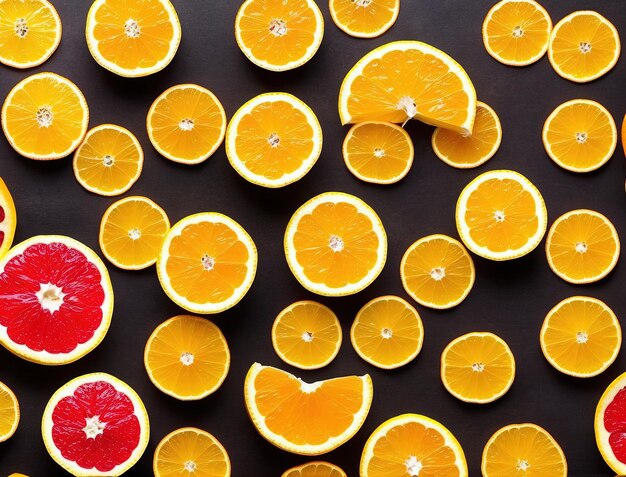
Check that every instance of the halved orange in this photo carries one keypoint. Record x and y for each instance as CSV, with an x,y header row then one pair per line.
x,y
364,18
378,152
581,336
315,469
584,46
278,35
133,37
306,335
30,31
403,80
45,116
582,246
609,424
306,418
8,219
9,412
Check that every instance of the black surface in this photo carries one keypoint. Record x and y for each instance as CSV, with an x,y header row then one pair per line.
x,y
509,299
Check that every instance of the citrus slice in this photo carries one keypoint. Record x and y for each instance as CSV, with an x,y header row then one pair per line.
x,y
193,451
8,219
581,336
109,160
186,124
463,151
315,469
582,246
364,18
378,152
387,332
412,444
523,449
306,335
207,263
187,357
273,140
583,46
437,272
609,425
408,79
278,35
45,116
95,425
132,231
133,37
306,418
59,285
517,32
9,412
335,244
477,368
501,215
29,33
580,135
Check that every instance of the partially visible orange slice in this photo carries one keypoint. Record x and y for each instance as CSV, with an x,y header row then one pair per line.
x,y
315,469
364,18
9,412
8,219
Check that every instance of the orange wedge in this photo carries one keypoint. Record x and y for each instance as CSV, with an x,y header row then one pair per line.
x,y
9,412
8,219
315,469
364,18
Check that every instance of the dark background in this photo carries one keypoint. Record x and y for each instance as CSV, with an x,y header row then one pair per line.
x,y
509,299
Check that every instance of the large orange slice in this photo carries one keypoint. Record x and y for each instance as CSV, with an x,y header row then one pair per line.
x,y
364,18
8,219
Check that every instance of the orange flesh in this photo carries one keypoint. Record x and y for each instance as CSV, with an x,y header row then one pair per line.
x,y
364,19
8,412
186,446
315,469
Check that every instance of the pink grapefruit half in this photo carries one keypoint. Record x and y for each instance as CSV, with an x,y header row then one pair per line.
x,y
8,218
610,425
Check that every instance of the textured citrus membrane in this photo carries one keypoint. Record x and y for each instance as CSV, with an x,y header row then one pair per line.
x,y
610,425
364,18
315,469
8,219
9,412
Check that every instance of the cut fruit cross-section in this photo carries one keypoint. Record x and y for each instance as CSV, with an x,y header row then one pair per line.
x,y
9,412
8,219
610,423
364,18
315,469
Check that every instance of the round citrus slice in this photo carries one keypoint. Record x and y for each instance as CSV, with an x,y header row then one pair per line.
x,y
501,215
306,335
30,32
523,449
387,332
95,425
364,18
306,418
273,140
8,219
463,151
609,425
477,368
437,272
335,244
186,124
187,357
279,36
583,46
580,135
517,32
207,263
412,80
59,285
315,469
45,116
9,412
412,444
133,38
581,336
378,152
582,246
193,451
132,231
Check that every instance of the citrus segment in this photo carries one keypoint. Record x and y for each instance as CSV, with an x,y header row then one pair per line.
x,y
364,18
8,219
609,425
315,469
9,412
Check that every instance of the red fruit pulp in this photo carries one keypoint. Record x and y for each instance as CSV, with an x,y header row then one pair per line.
x,y
615,424
2,217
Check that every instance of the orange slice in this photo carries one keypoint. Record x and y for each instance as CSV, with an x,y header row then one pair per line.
x,y
582,246
580,135
9,412
8,219
501,215
463,151
273,140
133,37
30,32
306,418
412,444
403,80
335,244
186,124
387,332
278,35
306,335
581,336
364,18
207,263
609,423
583,46
437,272
517,32
315,469
45,116
132,231
378,152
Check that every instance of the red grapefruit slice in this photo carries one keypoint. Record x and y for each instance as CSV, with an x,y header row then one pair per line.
x,y
56,300
8,219
610,425
95,425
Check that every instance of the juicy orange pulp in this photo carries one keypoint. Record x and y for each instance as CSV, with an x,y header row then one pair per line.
x,y
315,469
9,412
363,18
